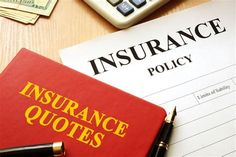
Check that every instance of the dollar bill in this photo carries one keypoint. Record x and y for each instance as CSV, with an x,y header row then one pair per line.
x,y
41,7
24,17
13,17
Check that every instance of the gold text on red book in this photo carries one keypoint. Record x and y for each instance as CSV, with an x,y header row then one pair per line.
x,y
82,119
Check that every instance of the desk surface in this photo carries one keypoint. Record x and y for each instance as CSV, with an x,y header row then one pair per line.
x,y
71,22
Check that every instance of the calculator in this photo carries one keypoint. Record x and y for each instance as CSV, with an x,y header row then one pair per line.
x,y
124,13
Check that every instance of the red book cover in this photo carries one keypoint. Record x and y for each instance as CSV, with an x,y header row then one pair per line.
x,y
43,101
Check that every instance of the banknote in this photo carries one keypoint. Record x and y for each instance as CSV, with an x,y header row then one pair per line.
x,y
13,17
41,7
25,17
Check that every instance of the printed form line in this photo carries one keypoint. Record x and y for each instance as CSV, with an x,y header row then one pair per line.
x,y
210,145
204,116
188,81
203,131
205,101
229,153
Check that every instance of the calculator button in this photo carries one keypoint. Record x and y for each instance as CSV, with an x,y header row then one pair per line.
x,y
125,8
138,3
114,2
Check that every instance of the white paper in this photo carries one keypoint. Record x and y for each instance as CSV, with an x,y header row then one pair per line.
x,y
201,79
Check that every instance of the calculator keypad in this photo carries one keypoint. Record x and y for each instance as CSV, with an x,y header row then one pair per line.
x,y
124,13
114,2
127,7
138,3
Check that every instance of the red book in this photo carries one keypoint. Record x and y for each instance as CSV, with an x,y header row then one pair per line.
x,y
43,101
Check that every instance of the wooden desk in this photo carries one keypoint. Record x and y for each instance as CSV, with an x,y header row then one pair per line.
x,y
71,22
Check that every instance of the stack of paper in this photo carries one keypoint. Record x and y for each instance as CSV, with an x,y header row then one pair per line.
x,y
186,60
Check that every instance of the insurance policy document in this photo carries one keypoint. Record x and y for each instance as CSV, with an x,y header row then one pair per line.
x,y
186,60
